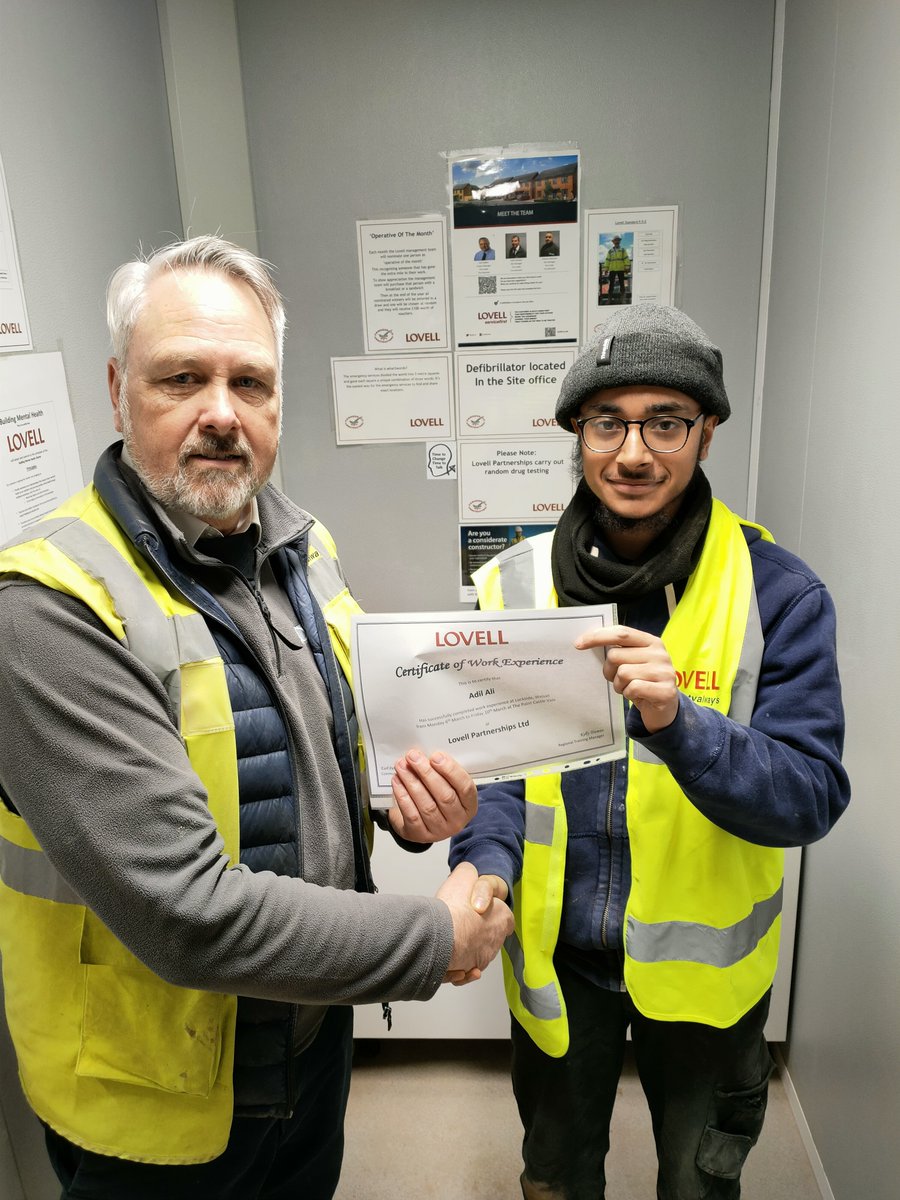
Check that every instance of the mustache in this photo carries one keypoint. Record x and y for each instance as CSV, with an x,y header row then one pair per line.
x,y
625,474
212,445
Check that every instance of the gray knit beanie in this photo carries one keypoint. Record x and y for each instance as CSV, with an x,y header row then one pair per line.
x,y
651,345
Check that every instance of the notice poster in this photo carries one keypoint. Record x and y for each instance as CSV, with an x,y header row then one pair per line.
x,y
403,284
510,393
478,544
405,398
630,257
39,465
511,482
14,331
516,246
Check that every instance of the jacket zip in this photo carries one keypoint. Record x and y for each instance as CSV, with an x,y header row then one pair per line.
x,y
267,616
609,838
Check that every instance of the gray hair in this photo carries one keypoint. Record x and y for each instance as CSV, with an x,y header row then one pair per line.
x,y
128,286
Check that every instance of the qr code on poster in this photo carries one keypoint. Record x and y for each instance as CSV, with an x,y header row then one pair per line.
x,y
549,331
487,285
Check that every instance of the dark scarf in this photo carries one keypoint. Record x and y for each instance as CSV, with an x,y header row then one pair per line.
x,y
583,578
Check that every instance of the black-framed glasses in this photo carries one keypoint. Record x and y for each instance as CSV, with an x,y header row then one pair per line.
x,y
663,434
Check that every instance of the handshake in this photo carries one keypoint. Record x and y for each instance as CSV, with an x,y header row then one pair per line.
x,y
482,921
434,797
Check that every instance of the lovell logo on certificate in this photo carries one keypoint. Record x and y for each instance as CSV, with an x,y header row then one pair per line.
x,y
505,693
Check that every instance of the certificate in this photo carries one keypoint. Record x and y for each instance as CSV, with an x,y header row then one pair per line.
x,y
506,693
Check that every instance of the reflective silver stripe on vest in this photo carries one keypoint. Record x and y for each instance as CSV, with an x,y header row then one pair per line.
x,y
746,680
683,941
34,533
31,873
543,1002
193,637
517,583
161,643
147,632
642,754
539,821
325,579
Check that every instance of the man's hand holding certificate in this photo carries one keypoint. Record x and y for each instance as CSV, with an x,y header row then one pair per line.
x,y
507,694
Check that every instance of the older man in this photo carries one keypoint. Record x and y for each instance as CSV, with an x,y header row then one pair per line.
x,y
648,891
186,906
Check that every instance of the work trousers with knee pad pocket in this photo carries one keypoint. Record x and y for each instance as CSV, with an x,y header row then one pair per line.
x,y
706,1089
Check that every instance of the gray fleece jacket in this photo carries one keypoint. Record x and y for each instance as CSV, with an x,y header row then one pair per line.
x,y
90,757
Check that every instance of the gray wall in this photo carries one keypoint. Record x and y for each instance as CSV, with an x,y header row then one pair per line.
x,y
87,151
348,110
828,483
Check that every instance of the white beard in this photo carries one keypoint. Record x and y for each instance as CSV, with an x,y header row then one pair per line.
x,y
211,494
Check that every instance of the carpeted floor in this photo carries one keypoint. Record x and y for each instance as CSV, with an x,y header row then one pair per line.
x,y
436,1120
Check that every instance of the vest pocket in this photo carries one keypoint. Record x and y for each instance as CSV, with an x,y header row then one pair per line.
x,y
137,1029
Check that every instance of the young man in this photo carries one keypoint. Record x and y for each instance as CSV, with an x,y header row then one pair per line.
x,y
647,892
186,906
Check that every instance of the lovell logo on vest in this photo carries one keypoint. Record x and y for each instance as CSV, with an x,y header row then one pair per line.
x,y
701,686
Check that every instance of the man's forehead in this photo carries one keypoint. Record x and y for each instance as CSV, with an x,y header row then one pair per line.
x,y
643,400
179,300
191,285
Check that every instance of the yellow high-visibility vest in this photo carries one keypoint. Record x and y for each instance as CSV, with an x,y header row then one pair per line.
x,y
703,917
110,1055
617,260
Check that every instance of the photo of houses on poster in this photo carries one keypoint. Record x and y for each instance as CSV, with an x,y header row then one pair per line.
x,y
515,246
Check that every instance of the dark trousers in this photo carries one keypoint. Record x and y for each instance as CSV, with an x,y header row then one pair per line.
x,y
617,277
298,1158
706,1089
